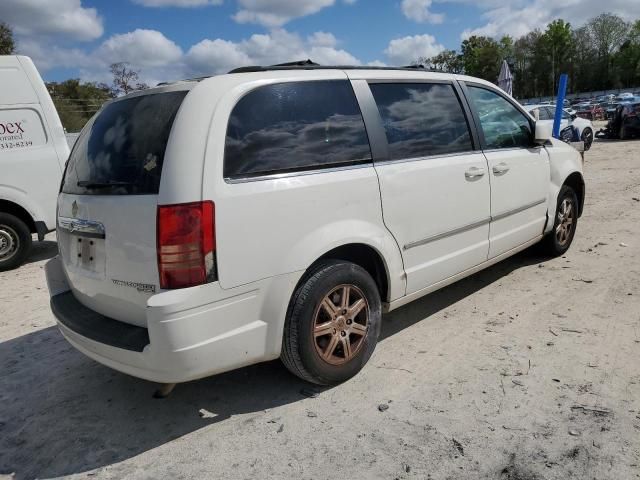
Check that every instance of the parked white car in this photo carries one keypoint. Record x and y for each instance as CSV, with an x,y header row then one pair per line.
x,y
278,212
546,114
33,150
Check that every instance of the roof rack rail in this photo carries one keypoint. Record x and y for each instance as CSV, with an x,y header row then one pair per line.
x,y
299,63
311,65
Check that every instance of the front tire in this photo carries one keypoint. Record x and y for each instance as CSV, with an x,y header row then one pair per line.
x,y
333,323
15,242
587,138
565,222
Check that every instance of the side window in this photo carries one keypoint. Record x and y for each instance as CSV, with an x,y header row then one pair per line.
x,y
295,126
545,113
421,119
503,125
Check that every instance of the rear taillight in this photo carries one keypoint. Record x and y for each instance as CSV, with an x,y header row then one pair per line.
x,y
186,244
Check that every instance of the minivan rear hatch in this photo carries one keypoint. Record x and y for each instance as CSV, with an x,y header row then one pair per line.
x,y
108,202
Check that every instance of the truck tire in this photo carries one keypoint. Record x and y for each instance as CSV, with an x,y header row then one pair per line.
x,y
332,324
15,242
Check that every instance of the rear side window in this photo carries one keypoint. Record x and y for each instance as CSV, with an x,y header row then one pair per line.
x,y
421,119
295,126
121,152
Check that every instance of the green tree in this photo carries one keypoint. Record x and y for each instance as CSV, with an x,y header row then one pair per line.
x,y
584,62
448,61
77,102
626,61
530,65
7,44
608,32
482,57
557,42
125,79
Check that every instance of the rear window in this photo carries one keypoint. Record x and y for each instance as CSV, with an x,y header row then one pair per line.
x,y
295,126
121,152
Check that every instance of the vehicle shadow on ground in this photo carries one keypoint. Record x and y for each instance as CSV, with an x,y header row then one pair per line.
x,y
42,251
64,414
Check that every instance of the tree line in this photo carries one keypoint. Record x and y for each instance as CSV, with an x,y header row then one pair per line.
x,y
602,54
78,101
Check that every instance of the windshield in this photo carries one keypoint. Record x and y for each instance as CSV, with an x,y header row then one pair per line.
x,y
121,152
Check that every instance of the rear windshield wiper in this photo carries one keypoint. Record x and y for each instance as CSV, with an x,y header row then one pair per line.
x,y
89,184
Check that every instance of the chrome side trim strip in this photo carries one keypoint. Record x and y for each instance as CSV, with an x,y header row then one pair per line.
x,y
471,226
85,228
518,210
442,235
367,163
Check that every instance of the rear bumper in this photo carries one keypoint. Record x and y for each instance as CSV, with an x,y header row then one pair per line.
x,y
191,333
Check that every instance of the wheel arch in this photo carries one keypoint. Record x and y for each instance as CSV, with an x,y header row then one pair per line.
x,y
366,257
576,182
20,212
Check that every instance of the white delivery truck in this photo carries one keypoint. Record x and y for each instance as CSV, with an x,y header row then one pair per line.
x,y
33,151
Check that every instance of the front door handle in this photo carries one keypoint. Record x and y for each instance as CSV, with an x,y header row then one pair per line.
x,y
474,173
500,169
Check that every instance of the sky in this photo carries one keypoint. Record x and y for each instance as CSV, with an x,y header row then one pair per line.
x,y
168,40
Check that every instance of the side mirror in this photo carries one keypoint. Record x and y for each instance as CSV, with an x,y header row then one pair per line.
x,y
544,132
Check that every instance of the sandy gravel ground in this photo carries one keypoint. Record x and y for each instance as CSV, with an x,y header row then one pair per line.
x,y
528,370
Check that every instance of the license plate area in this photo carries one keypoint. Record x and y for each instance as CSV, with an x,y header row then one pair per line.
x,y
82,244
85,255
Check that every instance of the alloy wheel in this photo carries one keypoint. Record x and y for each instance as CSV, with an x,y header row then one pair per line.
x,y
340,324
566,222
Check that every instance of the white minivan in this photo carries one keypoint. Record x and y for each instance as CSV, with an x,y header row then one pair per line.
x,y
278,211
33,151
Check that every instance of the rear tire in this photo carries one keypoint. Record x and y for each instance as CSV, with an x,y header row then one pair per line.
x,y
587,138
623,132
558,241
329,336
15,242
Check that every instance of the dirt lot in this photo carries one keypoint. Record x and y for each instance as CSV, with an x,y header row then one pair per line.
x,y
528,370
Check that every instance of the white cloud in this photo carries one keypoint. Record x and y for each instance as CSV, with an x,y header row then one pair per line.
x,y
144,48
520,17
177,3
403,51
331,56
218,55
275,13
65,19
418,11
278,46
322,39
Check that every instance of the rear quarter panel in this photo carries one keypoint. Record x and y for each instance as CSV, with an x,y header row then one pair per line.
x,y
276,226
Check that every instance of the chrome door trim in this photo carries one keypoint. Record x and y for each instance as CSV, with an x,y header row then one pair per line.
x,y
83,228
471,226
298,173
508,213
442,235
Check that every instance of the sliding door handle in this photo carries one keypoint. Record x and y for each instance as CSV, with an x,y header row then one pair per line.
x,y
500,169
474,173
